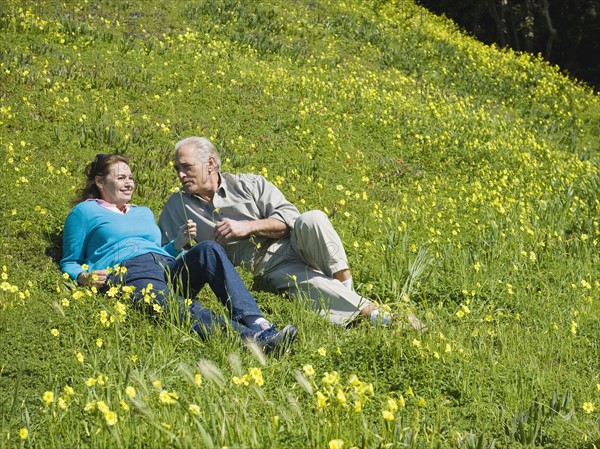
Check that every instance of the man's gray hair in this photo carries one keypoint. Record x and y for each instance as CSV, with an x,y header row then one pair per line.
x,y
203,148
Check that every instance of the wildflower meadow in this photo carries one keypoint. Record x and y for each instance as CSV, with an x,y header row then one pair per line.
x,y
462,178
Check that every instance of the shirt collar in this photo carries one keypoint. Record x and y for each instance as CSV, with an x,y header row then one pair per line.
x,y
222,189
111,206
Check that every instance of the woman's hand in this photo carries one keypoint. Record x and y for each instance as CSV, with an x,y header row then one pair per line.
x,y
185,235
96,278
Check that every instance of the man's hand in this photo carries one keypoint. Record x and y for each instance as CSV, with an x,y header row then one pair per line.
x,y
227,229
96,278
185,234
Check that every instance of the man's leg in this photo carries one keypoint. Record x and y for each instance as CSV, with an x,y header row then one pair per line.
x,y
318,244
325,294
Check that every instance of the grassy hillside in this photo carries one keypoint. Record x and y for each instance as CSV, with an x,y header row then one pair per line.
x,y
463,180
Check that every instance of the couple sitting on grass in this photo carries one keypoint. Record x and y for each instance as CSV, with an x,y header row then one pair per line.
x,y
237,219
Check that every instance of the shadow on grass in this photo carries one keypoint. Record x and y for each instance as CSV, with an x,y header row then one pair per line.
x,y
55,249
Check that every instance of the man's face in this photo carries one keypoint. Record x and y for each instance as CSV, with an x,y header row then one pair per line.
x,y
195,175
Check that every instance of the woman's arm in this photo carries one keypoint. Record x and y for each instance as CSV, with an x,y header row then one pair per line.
x,y
96,278
74,235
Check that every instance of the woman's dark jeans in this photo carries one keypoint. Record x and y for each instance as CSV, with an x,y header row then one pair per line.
x,y
185,276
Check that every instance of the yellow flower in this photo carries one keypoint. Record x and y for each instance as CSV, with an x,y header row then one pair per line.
x,y
392,405
322,352
124,405
574,327
111,418
77,294
422,402
99,342
130,391
308,370
341,396
102,407
198,379
62,403
387,415
331,378
166,397
257,376
90,406
90,382
23,433
588,407
55,332
366,389
354,380
244,380
48,397
69,390
321,400
401,401
336,444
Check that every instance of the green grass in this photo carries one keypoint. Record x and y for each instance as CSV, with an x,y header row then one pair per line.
x,y
463,180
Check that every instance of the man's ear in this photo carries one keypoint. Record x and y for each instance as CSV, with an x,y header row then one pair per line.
x,y
211,164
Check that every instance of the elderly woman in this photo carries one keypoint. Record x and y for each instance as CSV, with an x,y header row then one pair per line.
x,y
103,230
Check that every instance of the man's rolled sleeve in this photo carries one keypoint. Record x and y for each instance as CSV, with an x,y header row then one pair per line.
x,y
273,204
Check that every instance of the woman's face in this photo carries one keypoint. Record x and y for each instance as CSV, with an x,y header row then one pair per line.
x,y
117,186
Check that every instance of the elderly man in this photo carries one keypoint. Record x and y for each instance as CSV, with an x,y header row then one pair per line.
x,y
262,231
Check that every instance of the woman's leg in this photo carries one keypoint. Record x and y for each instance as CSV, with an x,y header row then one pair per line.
x,y
206,263
149,269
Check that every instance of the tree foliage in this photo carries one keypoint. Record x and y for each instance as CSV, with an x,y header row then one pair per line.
x,y
565,33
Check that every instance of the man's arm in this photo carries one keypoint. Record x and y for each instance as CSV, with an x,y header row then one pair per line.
x,y
266,227
171,218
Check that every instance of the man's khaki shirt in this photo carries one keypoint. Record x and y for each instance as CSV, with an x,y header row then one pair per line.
x,y
239,197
